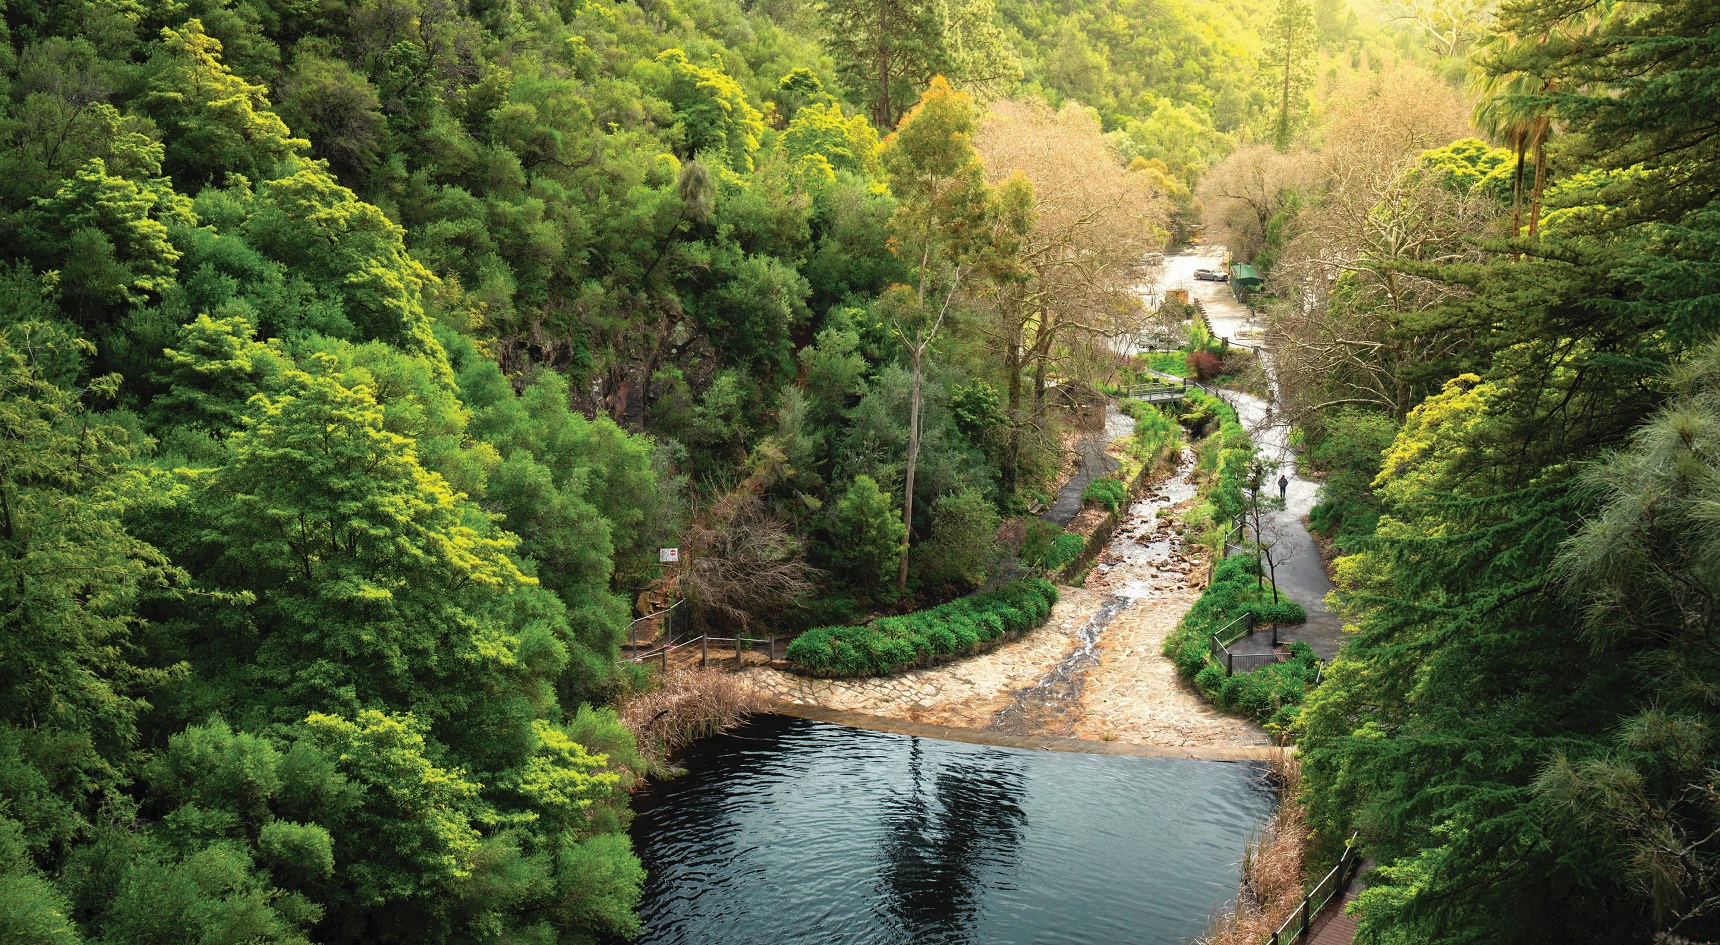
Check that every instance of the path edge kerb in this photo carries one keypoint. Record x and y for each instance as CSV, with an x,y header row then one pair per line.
x,y
972,736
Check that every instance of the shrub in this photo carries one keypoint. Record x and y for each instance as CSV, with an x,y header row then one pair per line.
x,y
869,530
963,542
1064,549
890,644
1105,491
1204,364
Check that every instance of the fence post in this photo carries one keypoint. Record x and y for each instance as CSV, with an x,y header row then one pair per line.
x,y
737,652
1304,933
1248,621
773,648
704,648
1229,662
635,629
665,658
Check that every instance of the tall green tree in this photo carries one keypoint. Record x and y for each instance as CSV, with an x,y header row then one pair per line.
x,y
1646,569
951,227
1288,63
888,51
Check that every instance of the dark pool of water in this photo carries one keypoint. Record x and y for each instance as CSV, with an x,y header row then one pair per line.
x,y
790,831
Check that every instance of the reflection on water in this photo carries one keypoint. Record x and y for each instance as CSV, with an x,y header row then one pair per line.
x,y
942,843
792,831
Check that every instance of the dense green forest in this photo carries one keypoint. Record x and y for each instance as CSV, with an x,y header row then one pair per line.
x,y
1492,308
356,356
359,356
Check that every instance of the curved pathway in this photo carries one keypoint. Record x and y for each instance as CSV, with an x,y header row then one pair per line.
x,y
1300,572
1094,462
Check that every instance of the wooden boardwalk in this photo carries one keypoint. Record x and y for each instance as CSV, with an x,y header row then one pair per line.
x,y
1336,927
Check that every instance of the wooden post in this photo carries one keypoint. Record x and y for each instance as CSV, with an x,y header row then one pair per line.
x,y
1304,933
665,659
704,649
1229,662
737,652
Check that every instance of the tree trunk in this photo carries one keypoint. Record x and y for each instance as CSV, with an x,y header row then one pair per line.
x,y
1284,101
1012,364
1517,188
1540,183
881,109
913,460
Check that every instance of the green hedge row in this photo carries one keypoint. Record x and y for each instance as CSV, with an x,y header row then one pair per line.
x,y
892,644
1222,457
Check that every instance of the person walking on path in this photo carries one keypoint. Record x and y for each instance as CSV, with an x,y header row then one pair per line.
x,y
1283,486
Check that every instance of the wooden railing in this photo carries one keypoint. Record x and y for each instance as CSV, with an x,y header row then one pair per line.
x,y
660,654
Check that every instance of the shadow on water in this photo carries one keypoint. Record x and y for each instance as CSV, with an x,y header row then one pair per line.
x,y
791,832
946,844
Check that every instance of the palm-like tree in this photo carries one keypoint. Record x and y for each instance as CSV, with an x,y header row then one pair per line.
x,y
1512,109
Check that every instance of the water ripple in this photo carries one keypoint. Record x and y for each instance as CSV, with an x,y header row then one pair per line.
x,y
802,832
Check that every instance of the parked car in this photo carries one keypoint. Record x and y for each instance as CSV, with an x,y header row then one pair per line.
x,y
1211,275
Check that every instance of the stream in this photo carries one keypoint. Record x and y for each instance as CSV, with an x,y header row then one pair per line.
x,y
1140,553
789,831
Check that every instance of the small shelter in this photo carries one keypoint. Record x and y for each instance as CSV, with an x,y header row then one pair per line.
x,y
1245,276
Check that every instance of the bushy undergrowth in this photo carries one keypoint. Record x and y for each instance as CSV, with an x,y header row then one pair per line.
x,y
891,644
1221,464
1270,695
1106,491
1157,438
1062,550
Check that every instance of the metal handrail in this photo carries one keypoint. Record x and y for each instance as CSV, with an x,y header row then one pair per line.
x,y
1248,616
1339,879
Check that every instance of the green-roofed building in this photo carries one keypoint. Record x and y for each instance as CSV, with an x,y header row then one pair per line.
x,y
1245,276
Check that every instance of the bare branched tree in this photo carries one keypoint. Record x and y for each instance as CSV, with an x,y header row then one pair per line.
x,y
1086,258
1245,191
743,563
1346,330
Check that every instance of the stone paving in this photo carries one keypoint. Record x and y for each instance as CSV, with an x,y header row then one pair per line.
x,y
964,693
1132,696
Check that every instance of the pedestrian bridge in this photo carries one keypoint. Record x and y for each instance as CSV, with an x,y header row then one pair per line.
x,y
1159,392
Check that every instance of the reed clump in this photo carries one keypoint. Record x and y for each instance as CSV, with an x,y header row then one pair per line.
x,y
683,706
1272,868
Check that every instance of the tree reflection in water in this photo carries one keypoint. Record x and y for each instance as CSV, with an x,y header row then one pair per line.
x,y
947,842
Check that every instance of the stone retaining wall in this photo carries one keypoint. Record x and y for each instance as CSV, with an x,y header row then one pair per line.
x,y
1101,533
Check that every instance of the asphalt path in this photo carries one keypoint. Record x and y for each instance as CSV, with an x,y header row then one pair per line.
x,y
1094,462
1299,571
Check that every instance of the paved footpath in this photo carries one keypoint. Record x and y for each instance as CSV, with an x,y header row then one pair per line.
x,y
1300,572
